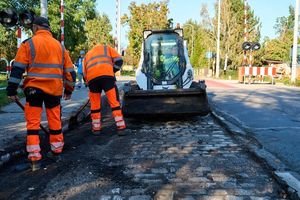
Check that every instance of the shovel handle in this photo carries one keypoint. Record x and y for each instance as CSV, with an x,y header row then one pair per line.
x,y
23,108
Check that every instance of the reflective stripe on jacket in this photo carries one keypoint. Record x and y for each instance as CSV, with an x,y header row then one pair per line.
x,y
47,63
100,61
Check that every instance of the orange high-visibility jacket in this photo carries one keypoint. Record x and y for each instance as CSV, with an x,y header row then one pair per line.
x,y
47,63
101,61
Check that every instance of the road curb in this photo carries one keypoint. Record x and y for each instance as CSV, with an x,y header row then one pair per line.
x,y
13,154
280,171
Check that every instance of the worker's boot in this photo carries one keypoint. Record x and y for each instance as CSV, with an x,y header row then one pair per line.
x,y
122,132
36,165
121,127
96,127
54,156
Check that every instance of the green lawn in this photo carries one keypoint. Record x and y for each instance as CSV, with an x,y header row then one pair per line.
x,y
3,97
3,84
3,81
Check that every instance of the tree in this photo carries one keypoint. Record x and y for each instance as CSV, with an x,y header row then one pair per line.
x,y
100,34
279,48
144,16
76,13
232,30
198,40
203,37
285,24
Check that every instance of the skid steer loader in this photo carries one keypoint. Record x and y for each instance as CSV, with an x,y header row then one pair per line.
x,y
164,79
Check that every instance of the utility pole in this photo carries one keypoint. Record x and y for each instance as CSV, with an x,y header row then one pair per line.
x,y
245,60
295,44
44,8
192,28
118,24
218,42
62,23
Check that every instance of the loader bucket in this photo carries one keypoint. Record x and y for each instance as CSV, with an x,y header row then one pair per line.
x,y
165,102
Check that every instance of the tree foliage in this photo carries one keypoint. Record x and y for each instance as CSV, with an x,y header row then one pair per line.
x,y
142,17
200,38
231,34
76,14
97,31
232,30
279,48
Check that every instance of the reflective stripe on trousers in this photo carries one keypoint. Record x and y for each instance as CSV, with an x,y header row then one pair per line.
x,y
33,147
56,144
56,136
119,119
33,119
96,124
34,156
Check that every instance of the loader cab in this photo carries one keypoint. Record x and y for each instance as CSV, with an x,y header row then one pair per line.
x,y
164,61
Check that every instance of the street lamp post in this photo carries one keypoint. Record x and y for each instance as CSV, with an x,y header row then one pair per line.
x,y
218,41
118,25
192,28
44,8
295,44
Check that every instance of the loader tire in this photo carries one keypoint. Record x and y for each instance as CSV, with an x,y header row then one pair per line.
x,y
199,85
130,86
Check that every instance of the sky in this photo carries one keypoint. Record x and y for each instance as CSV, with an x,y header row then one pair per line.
x,y
182,10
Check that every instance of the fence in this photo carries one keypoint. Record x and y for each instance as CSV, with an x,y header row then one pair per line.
x,y
7,68
256,74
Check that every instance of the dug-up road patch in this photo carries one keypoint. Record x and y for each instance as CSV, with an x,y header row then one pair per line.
x,y
184,159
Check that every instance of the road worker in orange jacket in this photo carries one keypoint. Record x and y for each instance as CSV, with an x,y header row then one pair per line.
x,y
99,67
49,70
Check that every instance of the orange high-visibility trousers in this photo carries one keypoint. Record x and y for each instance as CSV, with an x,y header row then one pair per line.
x,y
56,137
33,116
113,100
95,99
33,110
108,85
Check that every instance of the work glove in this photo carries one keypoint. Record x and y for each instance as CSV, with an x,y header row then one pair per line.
x,y
13,98
67,95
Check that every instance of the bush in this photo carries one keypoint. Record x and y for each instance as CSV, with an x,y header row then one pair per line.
x,y
287,81
128,73
230,75
3,97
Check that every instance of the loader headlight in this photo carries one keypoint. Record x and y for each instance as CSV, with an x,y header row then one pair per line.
x,y
190,73
147,33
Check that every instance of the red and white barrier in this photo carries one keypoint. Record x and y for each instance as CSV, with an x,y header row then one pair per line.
x,y
258,71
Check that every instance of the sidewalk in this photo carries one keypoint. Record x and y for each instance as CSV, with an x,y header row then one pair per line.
x,y
13,127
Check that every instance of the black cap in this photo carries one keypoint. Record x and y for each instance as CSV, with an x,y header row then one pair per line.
x,y
41,21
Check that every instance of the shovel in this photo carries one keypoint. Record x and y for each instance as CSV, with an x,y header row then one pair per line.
x,y
73,121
